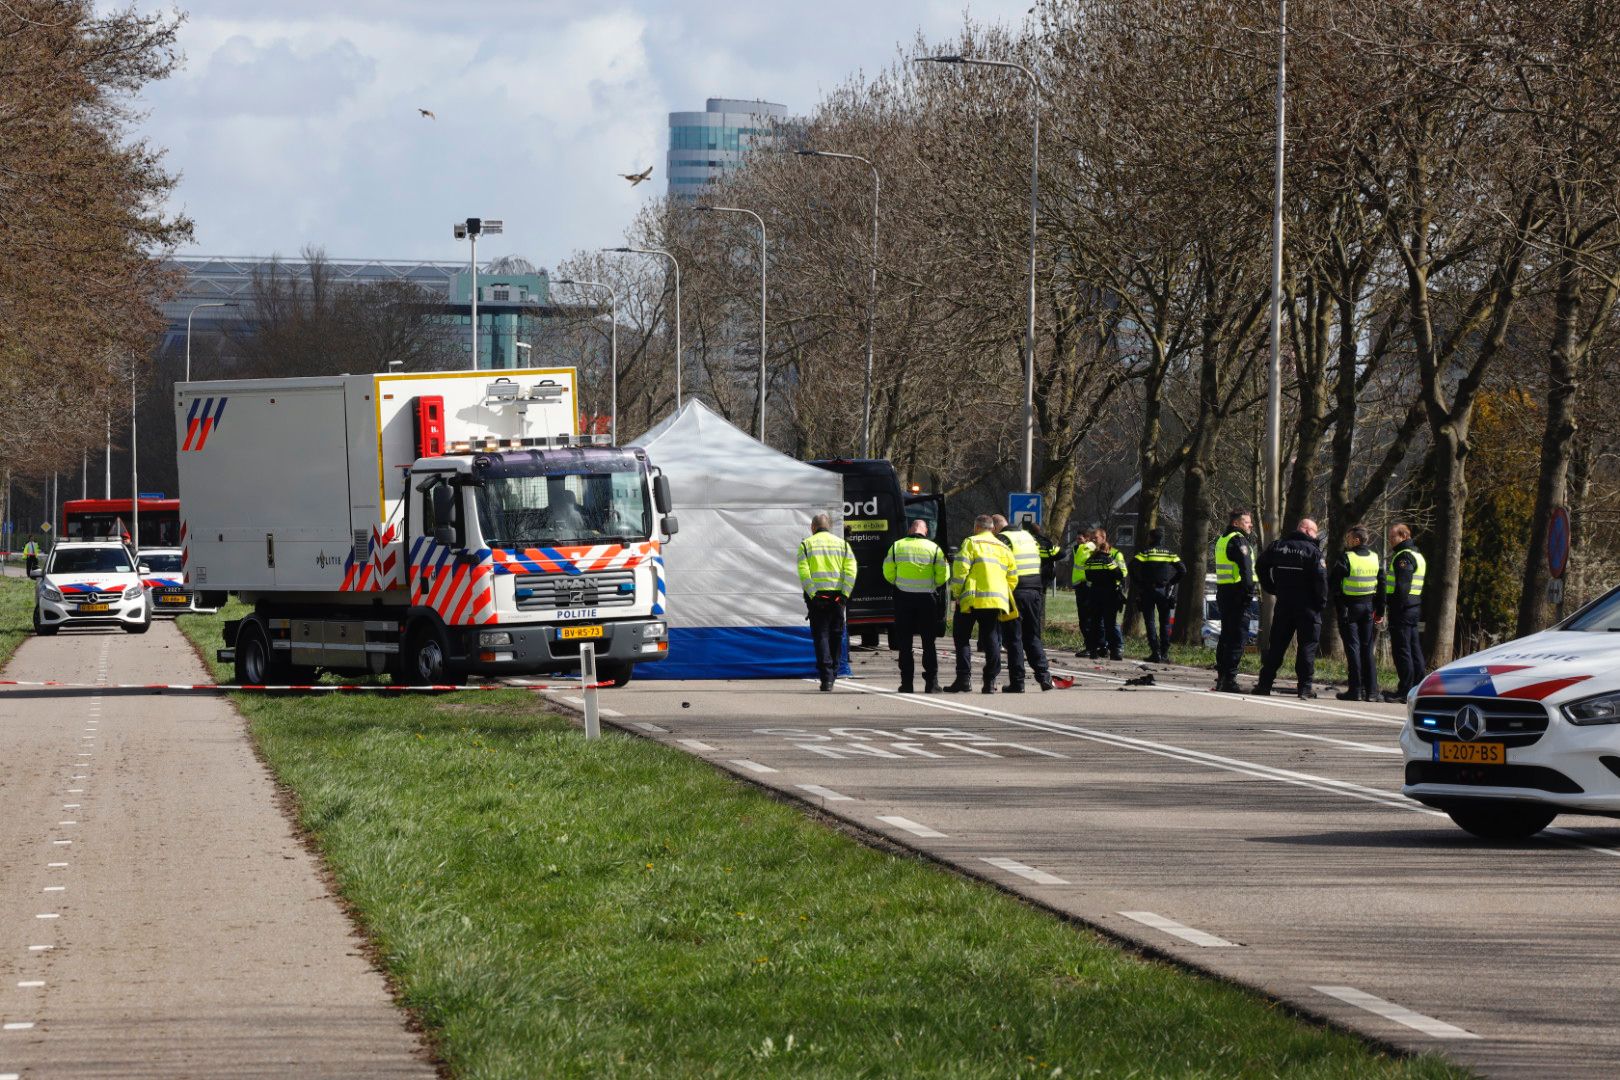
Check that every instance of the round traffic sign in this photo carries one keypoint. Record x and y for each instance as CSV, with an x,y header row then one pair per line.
x,y
1558,542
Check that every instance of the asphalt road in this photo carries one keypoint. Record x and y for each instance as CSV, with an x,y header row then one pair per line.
x,y
158,917
1261,839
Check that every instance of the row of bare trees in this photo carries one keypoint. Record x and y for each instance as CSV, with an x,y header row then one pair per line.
x,y
1452,188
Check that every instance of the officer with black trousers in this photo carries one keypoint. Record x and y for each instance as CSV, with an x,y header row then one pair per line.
x,y
1402,595
1155,573
1294,570
1353,583
1234,591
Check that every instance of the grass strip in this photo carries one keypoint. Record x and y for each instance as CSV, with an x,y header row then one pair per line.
x,y
16,613
552,907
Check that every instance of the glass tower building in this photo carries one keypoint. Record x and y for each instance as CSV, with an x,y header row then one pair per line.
x,y
703,145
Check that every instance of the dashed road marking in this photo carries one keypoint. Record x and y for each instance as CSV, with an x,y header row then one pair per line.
x,y
40,948
1437,1029
693,744
17,1025
57,865
1366,748
1012,866
1180,930
653,728
72,806
48,915
67,822
752,766
54,888
27,984
61,843
912,827
825,792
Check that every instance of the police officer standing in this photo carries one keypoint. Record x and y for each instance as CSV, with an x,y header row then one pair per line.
x,y
915,566
1294,570
1403,602
827,575
1353,584
1084,545
1155,573
31,555
1024,635
982,581
1234,590
1050,554
1105,586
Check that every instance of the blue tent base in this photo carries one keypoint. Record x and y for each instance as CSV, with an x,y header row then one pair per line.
x,y
738,652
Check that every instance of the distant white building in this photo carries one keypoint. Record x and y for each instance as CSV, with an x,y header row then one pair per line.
x,y
704,145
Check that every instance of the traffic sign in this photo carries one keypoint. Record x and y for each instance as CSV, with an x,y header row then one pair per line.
x,y
46,527
1558,542
1555,592
1026,506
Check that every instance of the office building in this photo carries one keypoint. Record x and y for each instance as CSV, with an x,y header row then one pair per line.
x,y
703,146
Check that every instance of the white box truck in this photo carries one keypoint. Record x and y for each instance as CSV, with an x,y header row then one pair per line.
x,y
426,525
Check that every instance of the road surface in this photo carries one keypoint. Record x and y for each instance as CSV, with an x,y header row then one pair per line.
x,y
158,917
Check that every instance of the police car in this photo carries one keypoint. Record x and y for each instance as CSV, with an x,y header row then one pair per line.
x,y
1507,739
95,582
164,575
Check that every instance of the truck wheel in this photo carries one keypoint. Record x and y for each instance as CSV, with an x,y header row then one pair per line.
x,y
614,672
1503,822
255,662
869,639
426,660
42,629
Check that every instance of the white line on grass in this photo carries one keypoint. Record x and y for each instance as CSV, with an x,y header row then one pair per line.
x,y
825,792
1366,748
1438,1029
908,825
752,766
1180,930
1012,866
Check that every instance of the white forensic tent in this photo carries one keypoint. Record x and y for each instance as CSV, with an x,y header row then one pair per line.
x,y
735,606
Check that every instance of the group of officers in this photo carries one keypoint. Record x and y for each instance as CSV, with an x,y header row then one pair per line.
x,y
997,586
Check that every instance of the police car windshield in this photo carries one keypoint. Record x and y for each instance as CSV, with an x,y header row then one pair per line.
x,y
162,564
90,560
570,508
1602,617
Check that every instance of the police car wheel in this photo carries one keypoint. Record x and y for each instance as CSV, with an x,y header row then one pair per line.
x,y
41,628
1503,822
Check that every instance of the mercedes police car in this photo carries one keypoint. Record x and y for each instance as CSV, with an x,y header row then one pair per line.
x,y
93,582
1507,739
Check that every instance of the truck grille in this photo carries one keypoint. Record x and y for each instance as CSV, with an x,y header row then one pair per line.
x,y
546,592
1507,721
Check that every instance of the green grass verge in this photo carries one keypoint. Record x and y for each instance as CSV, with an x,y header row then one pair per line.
x,y
16,614
551,907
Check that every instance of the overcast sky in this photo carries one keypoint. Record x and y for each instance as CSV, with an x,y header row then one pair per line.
x,y
294,122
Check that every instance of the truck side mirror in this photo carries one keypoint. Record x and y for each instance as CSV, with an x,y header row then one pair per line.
x,y
670,525
444,513
661,496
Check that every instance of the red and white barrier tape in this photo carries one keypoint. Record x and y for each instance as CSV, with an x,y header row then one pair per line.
x,y
325,687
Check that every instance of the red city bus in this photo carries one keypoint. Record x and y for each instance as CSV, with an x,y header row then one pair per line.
x,y
92,519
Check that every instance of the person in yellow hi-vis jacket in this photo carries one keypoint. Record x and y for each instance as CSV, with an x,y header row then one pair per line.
x,y
827,575
982,581
916,567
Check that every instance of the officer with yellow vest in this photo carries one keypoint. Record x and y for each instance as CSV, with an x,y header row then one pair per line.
x,y
1402,598
827,575
1234,591
1084,545
31,554
982,581
1353,585
1105,586
1024,635
1155,573
916,567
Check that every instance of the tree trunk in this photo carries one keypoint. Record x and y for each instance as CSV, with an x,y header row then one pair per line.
x,y
1196,511
1449,477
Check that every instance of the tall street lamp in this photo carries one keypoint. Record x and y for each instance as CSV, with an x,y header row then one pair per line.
x,y
1034,217
1271,514
871,300
470,230
761,222
134,471
613,350
660,252
196,308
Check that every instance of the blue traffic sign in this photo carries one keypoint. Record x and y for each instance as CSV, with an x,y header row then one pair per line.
x,y
1025,506
1558,543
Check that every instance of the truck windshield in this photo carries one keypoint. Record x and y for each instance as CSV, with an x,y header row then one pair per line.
x,y
564,508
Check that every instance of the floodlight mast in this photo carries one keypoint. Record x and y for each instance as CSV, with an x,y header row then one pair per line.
x,y
470,230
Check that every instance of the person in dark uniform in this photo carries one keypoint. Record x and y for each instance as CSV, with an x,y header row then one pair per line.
x,y
1294,570
1105,589
917,569
1234,590
1353,584
1155,573
1024,634
1402,595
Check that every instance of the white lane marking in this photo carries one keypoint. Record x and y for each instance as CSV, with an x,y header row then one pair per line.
x,y
75,791
1366,748
67,822
693,744
71,805
1180,930
17,1025
61,843
752,766
48,915
825,792
654,728
10,1076
1438,1029
26,984
84,753
81,776
910,826
54,888
57,865
1012,866
1269,702
40,948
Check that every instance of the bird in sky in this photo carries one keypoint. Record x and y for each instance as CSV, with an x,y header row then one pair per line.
x,y
636,178
427,113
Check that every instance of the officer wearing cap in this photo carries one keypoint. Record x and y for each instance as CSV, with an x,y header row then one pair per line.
x,y
916,567
827,575
1155,573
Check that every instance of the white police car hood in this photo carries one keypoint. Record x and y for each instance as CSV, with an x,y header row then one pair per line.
x,y
81,585
1553,666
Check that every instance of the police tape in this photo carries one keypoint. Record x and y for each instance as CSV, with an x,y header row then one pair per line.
x,y
347,688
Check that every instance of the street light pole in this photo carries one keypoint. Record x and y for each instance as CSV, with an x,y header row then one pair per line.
x,y
134,472
471,230
613,351
189,314
677,266
108,494
1034,220
761,222
871,300
1271,515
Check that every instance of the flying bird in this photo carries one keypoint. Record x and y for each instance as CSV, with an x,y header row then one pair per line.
x,y
636,178
427,113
